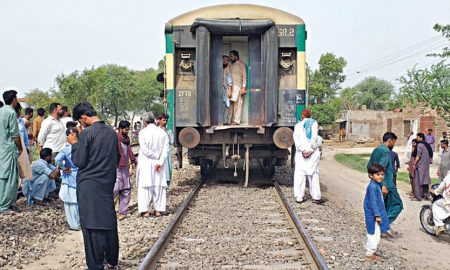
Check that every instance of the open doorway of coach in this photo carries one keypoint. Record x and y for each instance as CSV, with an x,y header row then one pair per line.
x,y
257,44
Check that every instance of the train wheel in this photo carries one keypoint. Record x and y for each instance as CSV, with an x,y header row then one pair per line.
x,y
269,166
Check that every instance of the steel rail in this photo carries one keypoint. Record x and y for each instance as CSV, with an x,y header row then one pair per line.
x,y
151,259
314,253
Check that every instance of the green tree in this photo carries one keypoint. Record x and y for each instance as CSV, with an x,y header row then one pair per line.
x,y
445,32
115,91
347,97
39,99
80,86
116,95
146,93
374,93
326,113
325,82
430,87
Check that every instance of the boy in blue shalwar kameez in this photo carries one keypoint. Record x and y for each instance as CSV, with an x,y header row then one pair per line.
x,y
68,191
375,213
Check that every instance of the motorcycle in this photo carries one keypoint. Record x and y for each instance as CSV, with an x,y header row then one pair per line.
x,y
426,216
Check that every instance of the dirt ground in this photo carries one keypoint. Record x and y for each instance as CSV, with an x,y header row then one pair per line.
x,y
420,249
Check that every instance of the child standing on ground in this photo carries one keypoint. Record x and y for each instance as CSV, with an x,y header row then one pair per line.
x,y
375,211
68,191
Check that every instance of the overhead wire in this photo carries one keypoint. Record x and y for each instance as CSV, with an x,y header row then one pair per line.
x,y
412,54
416,46
435,61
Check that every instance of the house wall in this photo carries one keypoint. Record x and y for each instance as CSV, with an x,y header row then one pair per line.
x,y
371,125
417,119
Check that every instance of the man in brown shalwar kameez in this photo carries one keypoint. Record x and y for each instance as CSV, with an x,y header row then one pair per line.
x,y
444,165
421,167
238,71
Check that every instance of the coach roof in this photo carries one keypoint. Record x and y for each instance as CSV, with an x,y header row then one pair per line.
x,y
241,11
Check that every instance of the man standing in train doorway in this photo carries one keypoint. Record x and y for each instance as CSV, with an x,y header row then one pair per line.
x,y
239,81
227,87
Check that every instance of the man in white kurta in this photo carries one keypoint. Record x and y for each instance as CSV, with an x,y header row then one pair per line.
x,y
441,207
307,158
151,171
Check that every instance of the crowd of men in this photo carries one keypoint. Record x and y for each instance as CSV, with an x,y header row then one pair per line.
x,y
85,163
382,203
382,211
88,164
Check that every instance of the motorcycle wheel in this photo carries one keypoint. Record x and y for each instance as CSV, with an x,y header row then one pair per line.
x,y
426,220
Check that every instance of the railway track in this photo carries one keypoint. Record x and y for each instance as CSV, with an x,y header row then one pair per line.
x,y
230,227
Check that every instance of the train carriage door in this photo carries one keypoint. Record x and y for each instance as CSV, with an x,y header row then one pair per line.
x,y
270,44
255,92
203,37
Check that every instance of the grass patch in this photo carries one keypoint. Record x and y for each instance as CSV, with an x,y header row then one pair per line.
x,y
358,162
354,161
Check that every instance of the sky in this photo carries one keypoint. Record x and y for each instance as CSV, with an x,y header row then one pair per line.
x,y
40,39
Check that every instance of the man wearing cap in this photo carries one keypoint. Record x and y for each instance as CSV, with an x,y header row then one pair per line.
x,y
227,87
151,172
307,158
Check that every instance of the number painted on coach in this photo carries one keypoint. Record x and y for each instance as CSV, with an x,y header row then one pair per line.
x,y
286,32
184,93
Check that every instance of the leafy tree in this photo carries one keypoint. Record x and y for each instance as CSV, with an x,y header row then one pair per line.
x,y
398,100
325,82
326,113
347,98
115,95
79,86
146,93
430,87
445,31
39,99
115,91
374,93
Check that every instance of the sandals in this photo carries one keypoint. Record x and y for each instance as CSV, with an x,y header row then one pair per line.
x,y
374,258
318,201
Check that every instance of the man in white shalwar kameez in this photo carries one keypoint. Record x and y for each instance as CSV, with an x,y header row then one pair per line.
x,y
307,158
441,207
151,171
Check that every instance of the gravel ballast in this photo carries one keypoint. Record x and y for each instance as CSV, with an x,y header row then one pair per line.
x,y
33,234
339,231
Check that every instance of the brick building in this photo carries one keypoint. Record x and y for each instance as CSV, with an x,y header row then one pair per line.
x,y
414,119
369,125
361,125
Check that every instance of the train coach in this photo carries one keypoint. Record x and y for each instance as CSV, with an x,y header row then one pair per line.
x,y
271,43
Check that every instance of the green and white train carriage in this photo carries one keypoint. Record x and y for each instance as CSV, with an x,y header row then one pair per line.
x,y
272,44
